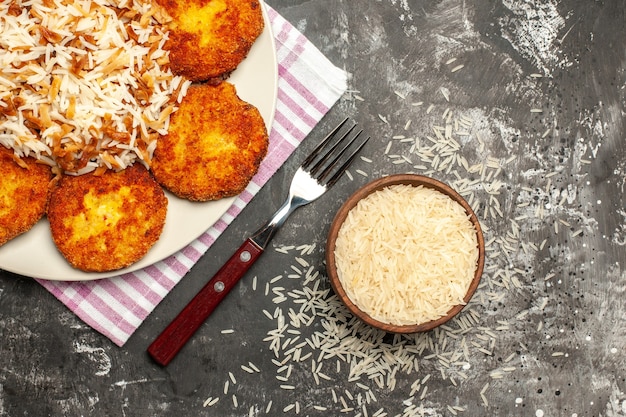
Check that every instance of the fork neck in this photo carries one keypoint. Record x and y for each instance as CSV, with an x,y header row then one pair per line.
x,y
262,236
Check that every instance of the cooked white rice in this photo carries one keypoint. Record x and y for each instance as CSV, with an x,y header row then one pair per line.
x,y
84,83
406,255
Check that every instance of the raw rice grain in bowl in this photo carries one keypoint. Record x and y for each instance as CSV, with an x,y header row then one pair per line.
x,y
405,253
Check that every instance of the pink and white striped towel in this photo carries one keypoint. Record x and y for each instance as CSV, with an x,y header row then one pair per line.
x,y
308,85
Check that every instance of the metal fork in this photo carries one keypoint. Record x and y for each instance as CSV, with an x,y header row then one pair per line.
x,y
318,172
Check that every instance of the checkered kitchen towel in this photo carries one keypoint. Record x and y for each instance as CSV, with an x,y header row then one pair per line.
x,y
308,85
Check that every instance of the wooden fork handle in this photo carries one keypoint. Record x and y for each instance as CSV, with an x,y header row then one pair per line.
x,y
179,331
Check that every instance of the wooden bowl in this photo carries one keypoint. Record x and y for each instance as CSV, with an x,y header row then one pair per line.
x,y
331,267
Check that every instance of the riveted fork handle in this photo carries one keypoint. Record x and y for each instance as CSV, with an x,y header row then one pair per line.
x,y
179,331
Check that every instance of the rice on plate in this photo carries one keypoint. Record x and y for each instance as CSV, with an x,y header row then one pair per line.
x,y
85,85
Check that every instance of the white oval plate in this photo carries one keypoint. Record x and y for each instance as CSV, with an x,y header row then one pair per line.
x,y
33,254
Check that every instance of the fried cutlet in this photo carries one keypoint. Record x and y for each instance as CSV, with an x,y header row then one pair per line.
x,y
106,222
209,38
23,193
214,145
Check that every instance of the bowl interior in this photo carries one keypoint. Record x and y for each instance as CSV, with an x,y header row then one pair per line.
x,y
351,202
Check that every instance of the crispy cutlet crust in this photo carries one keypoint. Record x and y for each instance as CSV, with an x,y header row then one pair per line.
x,y
23,194
209,38
214,146
104,223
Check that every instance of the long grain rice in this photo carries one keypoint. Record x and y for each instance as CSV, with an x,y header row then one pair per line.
x,y
406,254
86,84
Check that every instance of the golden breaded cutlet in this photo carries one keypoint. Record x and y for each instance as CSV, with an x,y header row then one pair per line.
x,y
209,38
214,145
23,194
106,222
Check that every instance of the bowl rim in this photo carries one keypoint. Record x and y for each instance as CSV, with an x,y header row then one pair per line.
x,y
351,202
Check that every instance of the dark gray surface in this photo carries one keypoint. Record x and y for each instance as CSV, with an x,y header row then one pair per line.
x,y
550,313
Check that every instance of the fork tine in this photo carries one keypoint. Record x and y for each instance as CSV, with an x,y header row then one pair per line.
x,y
321,177
322,163
318,148
326,154
335,177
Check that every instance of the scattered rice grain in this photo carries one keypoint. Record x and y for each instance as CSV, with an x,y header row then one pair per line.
x,y
458,67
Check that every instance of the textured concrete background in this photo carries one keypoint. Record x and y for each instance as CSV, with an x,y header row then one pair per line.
x,y
534,93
